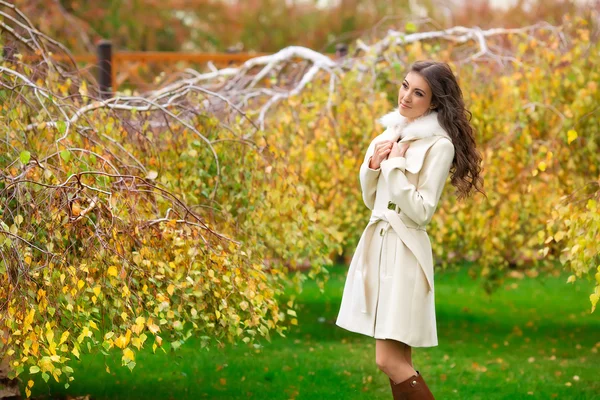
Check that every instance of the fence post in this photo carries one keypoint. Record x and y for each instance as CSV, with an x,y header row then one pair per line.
x,y
105,66
341,50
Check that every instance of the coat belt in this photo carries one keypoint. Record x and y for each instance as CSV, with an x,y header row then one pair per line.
x,y
400,226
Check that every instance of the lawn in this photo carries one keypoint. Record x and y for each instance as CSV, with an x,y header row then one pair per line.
x,y
532,339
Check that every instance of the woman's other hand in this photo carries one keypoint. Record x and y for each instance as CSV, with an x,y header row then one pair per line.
x,y
399,150
382,149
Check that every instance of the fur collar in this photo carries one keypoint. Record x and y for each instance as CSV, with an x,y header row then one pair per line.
x,y
422,127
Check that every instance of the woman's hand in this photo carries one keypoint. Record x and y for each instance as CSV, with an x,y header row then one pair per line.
x,y
399,150
382,149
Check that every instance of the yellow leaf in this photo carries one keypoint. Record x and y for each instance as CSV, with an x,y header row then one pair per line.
x,y
571,279
80,284
75,208
63,337
170,289
575,248
559,236
128,354
75,352
571,135
93,325
542,166
594,299
136,342
50,336
153,327
83,89
112,271
120,342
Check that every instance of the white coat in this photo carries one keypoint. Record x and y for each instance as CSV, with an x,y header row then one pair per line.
x,y
389,289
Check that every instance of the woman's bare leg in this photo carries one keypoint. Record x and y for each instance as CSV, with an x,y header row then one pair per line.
x,y
390,358
408,354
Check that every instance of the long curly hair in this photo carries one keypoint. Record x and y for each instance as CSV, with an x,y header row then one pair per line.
x,y
453,116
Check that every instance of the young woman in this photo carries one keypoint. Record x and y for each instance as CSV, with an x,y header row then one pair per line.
x,y
389,290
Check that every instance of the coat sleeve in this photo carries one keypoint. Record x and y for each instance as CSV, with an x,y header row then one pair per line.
x,y
368,178
419,203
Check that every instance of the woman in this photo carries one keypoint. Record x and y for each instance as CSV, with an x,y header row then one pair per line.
x,y
389,290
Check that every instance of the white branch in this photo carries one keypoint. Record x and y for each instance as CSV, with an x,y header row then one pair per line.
x,y
458,34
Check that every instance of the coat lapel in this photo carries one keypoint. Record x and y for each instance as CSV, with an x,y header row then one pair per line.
x,y
422,132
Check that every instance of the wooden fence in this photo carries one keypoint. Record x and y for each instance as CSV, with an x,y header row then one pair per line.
x,y
116,68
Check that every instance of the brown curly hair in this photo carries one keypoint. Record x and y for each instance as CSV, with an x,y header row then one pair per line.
x,y
453,116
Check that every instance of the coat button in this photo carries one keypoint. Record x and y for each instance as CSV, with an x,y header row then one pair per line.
x,y
413,383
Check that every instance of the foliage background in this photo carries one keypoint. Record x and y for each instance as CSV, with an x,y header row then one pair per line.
x,y
128,225
264,25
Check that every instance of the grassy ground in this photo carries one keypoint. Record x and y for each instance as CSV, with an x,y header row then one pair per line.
x,y
533,339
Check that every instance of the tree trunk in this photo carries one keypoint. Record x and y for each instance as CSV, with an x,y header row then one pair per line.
x,y
9,388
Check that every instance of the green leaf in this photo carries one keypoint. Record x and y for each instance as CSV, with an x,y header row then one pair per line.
x,y
131,365
62,127
45,376
410,27
34,369
25,156
65,155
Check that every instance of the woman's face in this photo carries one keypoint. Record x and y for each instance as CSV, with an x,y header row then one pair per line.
x,y
414,97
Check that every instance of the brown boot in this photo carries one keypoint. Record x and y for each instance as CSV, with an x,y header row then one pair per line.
x,y
413,388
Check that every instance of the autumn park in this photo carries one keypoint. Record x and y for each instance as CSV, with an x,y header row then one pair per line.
x,y
180,198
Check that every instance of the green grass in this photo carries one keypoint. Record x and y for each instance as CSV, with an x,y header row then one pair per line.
x,y
527,341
